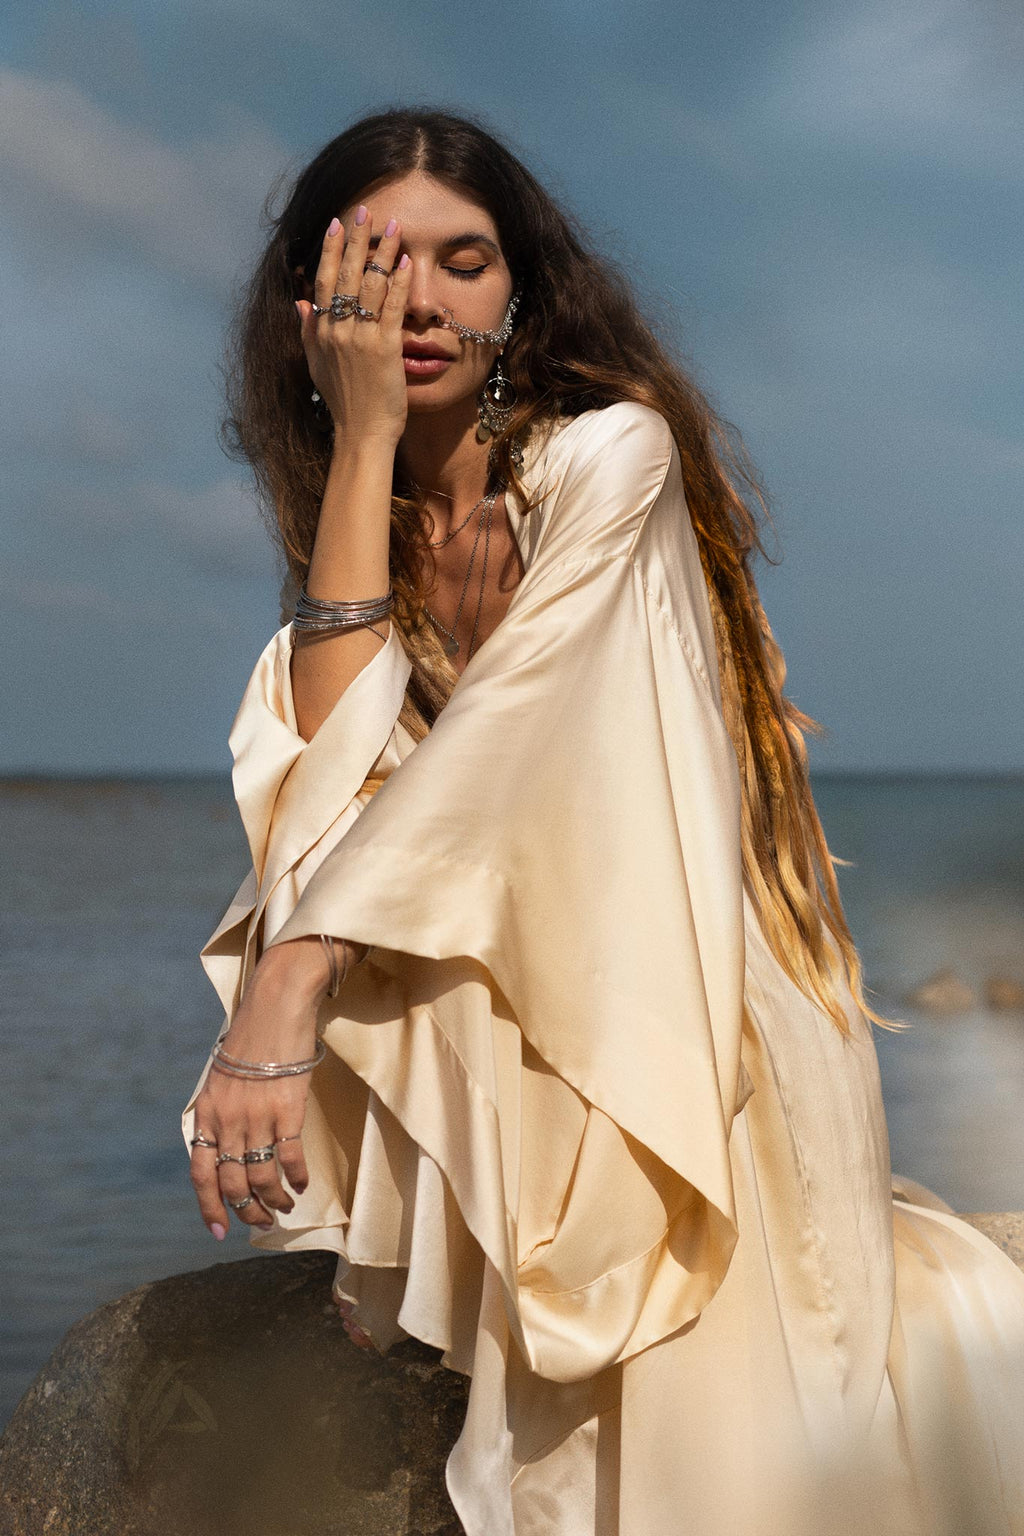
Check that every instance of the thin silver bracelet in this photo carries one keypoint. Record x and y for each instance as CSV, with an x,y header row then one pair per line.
x,y
316,615
235,1066
335,984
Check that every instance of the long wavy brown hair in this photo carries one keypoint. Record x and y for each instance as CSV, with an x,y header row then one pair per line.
x,y
579,343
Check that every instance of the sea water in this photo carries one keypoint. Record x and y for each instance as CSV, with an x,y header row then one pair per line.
x,y
110,888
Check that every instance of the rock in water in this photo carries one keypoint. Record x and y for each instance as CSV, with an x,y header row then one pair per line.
x,y
1004,994
229,1402
944,992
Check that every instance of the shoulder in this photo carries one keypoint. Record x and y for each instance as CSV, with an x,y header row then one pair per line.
x,y
637,431
593,477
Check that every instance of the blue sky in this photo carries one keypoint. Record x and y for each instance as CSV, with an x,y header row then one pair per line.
x,y
823,202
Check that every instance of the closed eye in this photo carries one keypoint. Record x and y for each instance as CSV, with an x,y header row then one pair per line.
x,y
465,272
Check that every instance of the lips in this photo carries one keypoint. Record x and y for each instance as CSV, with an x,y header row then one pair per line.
x,y
426,349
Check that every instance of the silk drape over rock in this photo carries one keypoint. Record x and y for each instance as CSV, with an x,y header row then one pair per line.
x,y
576,1127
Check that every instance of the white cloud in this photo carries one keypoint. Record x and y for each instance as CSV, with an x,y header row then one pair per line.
x,y
66,162
936,80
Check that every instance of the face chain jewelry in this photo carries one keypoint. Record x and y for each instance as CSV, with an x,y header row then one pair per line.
x,y
496,338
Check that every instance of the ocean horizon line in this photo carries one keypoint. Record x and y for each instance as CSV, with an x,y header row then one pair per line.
x,y
42,778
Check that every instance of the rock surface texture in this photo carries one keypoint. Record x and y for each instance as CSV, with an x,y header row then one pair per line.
x,y
230,1402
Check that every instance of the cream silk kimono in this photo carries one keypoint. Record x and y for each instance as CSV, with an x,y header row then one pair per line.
x,y
576,1127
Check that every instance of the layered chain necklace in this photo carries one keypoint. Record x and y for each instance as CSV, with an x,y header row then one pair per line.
x,y
485,506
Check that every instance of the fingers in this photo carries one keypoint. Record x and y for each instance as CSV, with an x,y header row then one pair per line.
x,y
293,1162
374,285
263,1177
356,253
326,281
236,1191
342,269
203,1173
392,311
245,1119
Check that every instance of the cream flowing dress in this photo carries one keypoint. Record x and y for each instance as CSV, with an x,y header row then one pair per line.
x,y
576,1127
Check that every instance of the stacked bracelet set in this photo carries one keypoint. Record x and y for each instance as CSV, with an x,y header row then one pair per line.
x,y
235,1066
317,616
259,1071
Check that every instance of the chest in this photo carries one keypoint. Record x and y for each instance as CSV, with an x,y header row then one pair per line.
x,y
476,576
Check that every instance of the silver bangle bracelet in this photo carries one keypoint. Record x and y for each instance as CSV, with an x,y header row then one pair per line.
x,y
235,1066
344,605
320,616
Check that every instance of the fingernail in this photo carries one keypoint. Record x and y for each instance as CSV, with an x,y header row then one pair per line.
x,y
334,226
390,227
403,263
219,1232
361,213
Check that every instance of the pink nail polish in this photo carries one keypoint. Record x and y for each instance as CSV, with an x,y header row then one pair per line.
x,y
361,213
333,227
390,227
403,263
219,1232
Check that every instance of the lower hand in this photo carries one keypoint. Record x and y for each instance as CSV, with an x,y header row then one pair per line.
x,y
275,1021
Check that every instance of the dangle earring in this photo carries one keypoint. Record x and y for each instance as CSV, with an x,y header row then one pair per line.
x,y
496,404
321,414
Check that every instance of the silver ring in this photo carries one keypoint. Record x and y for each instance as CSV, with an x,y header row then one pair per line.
x,y
343,305
240,1205
375,266
365,314
296,1137
225,1157
199,1140
259,1154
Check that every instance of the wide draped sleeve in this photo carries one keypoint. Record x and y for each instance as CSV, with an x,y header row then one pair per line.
x,y
296,797
551,883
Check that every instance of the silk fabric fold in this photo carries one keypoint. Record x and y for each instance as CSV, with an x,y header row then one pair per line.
x,y
576,1126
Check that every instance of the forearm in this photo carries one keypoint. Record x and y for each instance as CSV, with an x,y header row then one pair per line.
x,y
277,1015
350,560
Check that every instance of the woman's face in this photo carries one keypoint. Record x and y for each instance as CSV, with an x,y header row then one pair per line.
x,y
457,262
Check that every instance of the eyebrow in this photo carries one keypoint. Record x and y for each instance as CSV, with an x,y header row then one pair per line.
x,y
470,238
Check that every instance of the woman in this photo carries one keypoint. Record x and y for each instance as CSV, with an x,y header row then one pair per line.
x,y
596,1108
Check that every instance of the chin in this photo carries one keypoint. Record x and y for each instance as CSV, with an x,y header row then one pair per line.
x,y
427,398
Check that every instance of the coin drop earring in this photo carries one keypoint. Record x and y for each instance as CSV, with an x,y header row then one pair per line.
x,y
495,404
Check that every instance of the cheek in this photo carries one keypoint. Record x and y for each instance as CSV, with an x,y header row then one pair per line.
x,y
475,369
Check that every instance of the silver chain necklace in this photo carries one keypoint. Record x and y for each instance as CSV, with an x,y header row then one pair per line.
x,y
451,643
440,543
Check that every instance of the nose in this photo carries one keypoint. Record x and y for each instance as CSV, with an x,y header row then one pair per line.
x,y
423,306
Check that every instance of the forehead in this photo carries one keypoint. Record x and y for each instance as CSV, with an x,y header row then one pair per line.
x,y
424,205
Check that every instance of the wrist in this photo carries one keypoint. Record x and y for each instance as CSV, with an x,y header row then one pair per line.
x,y
358,448
296,967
